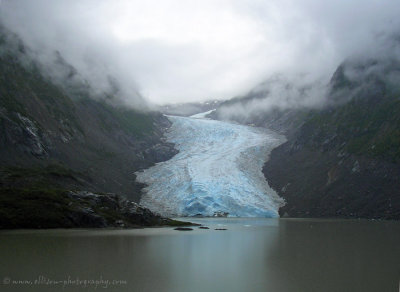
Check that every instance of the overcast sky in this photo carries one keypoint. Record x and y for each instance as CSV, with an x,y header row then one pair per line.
x,y
188,50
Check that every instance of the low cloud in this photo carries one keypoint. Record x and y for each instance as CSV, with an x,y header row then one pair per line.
x,y
187,50
278,93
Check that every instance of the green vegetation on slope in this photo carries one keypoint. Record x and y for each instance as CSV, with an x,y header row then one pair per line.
x,y
50,176
33,208
131,121
344,161
371,129
56,208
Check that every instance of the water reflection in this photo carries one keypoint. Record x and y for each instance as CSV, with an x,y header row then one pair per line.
x,y
252,255
339,255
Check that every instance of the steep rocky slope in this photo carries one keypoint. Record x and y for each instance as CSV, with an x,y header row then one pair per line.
x,y
59,135
344,161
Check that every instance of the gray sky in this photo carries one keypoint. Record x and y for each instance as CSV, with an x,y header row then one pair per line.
x,y
187,50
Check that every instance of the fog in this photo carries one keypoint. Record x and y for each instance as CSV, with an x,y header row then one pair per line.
x,y
183,51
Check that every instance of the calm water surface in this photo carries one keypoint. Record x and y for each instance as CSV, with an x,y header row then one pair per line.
x,y
252,255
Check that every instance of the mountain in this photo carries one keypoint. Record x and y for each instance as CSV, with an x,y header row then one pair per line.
x,y
56,134
272,104
344,160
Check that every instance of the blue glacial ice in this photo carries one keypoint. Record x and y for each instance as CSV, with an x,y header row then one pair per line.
x,y
218,169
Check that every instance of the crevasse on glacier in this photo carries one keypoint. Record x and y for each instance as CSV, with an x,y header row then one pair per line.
x,y
218,169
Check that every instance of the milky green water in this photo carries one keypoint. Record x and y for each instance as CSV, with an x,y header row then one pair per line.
x,y
252,255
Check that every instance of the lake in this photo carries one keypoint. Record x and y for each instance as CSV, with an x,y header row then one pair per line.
x,y
251,255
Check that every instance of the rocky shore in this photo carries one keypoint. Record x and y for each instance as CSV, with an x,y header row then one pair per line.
x,y
36,208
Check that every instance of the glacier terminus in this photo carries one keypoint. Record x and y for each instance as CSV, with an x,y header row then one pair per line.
x,y
218,170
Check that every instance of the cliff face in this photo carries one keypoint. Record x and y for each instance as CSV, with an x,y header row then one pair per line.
x,y
60,135
344,161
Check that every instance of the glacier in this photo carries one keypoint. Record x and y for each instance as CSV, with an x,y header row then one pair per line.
x,y
218,169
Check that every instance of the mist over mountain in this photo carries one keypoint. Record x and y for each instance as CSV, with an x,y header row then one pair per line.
x,y
58,136
189,109
343,160
186,51
290,93
276,95
53,66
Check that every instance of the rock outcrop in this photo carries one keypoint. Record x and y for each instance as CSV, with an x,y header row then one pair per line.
x,y
36,208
